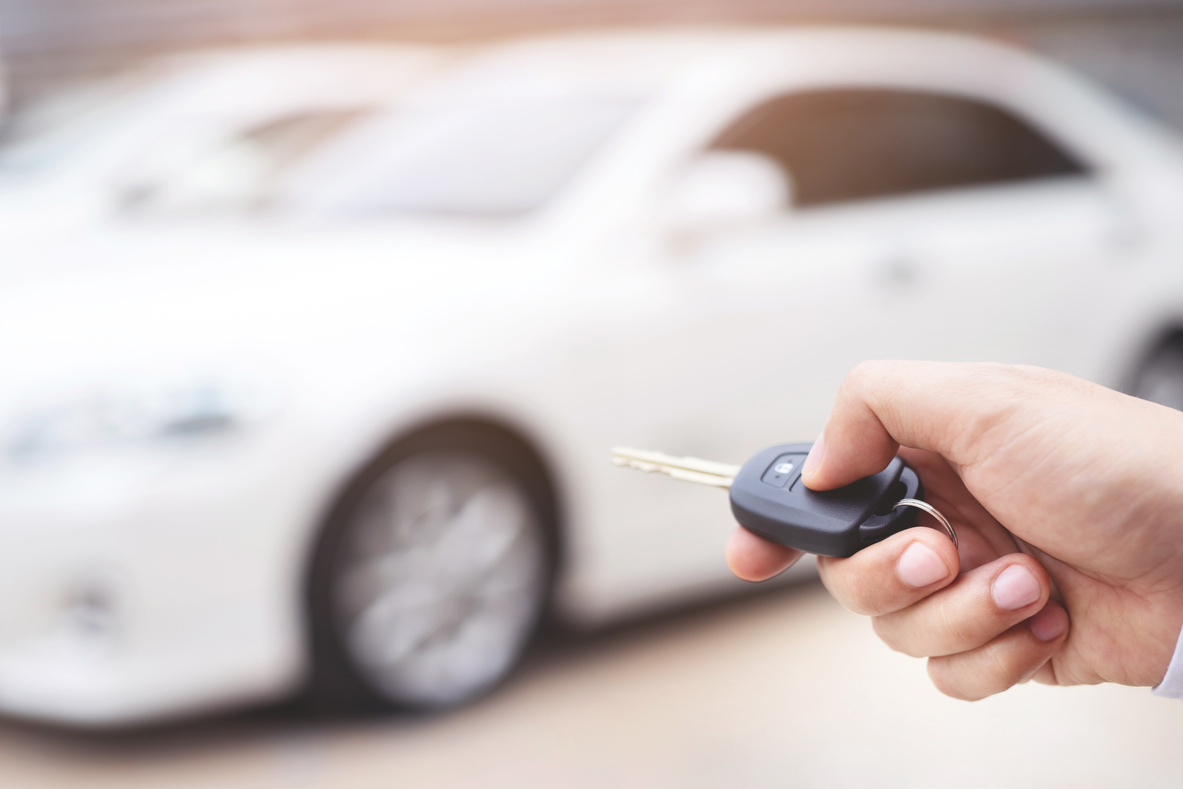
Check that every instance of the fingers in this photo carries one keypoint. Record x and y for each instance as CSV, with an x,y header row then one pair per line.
x,y
971,612
891,575
944,408
1021,653
984,630
982,537
753,558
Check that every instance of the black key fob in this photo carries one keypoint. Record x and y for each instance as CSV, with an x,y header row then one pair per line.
x,y
768,498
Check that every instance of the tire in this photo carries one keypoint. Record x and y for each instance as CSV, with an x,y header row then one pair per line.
x,y
433,573
1160,377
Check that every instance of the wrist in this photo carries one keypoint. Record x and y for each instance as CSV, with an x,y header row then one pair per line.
x,y
1170,685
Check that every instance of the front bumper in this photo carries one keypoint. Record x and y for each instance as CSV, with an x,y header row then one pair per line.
x,y
136,588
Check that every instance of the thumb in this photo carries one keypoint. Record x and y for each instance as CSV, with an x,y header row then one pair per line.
x,y
928,405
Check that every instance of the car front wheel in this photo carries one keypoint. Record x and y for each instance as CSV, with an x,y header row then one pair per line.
x,y
433,575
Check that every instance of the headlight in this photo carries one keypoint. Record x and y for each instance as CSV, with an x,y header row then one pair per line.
x,y
137,412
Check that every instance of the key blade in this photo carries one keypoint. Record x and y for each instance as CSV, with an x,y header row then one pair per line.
x,y
627,456
687,469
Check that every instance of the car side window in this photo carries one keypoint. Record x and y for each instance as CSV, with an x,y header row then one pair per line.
x,y
853,144
236,173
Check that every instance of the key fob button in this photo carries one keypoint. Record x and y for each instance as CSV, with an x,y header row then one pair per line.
x,y
837,522
783,470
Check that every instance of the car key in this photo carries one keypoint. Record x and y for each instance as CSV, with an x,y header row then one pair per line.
x,y
768,498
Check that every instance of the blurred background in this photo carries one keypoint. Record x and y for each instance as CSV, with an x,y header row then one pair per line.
x,y
1130,45
318,322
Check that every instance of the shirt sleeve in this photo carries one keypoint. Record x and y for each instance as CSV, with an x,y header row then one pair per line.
x,y
1171,686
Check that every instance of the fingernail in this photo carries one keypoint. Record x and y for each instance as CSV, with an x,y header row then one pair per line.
x,y
814,458
919,566
1050,623
1015,588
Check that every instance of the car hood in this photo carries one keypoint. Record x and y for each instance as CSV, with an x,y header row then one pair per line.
x,y
298,298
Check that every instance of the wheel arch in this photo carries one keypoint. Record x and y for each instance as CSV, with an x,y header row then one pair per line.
x,y
470,427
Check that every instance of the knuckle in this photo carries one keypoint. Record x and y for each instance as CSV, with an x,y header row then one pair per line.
x,y
957,632
987,671
861,375
867,595
852,588
889,633
951,683
1009,663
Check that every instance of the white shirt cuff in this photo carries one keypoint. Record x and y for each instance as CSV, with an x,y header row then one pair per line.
x,y
1171,686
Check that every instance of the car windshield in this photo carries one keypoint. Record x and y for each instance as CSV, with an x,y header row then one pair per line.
x,y
51,132
476,158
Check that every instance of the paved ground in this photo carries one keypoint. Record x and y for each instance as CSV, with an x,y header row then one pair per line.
x,y
781,690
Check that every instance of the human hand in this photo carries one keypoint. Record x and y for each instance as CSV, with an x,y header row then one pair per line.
x,y
1067,498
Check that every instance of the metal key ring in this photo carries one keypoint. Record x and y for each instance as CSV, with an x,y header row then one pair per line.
x,y
931,510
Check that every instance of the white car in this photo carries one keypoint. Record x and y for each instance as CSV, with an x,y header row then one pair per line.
x,y
218,126
353,431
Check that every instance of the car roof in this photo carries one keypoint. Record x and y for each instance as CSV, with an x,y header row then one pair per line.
x,y
652,58
343,74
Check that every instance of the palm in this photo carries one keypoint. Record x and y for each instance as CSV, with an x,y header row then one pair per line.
x,y
1070,528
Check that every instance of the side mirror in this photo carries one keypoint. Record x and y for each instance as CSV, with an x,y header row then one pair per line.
x,y
723,190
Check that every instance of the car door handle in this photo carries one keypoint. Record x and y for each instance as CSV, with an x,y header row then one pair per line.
x,y
896,272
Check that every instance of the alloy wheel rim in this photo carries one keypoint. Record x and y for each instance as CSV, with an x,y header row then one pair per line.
x,y
441,579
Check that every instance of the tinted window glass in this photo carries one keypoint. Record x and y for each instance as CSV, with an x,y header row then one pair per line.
x,y
233,173
854,144
499,157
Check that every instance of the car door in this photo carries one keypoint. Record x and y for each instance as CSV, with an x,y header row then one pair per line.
x,y
923,225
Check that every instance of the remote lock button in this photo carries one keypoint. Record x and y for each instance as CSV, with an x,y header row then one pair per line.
x,y
782,470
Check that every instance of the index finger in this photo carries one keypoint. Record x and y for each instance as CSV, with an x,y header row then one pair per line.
x,y
753,558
